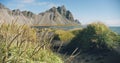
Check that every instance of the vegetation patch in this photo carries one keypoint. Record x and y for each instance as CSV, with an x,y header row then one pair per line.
x,y
95,36
19,44
63,35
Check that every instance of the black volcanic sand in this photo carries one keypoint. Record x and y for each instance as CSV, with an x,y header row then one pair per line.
x,y
104,57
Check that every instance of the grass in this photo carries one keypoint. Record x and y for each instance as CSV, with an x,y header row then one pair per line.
x,y
23,44
63,35
20,44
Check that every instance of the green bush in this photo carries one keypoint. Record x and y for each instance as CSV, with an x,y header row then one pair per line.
x,y
76,31
95,36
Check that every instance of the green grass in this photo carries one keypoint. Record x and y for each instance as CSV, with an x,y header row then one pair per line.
x,y
20,44
63,35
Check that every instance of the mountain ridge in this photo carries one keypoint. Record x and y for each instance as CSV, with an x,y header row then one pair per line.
x,y
53,16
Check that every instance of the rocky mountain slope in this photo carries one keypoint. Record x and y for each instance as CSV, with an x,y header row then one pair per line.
x,y
53,16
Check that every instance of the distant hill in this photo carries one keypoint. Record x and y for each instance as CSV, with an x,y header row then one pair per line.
x,y
53,16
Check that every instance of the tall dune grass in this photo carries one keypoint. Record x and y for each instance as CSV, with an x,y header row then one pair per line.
x,y
20,44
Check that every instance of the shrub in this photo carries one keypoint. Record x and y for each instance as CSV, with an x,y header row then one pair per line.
x,y
76,31
95,36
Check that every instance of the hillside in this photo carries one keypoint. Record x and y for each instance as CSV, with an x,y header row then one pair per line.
x,y
51,17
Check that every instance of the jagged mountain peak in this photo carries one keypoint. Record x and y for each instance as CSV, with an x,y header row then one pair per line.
x,y
62,7
62,10
16,12
53,9
53,16
2,6
28,13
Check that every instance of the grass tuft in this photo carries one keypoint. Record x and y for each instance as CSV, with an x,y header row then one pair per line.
x,y
20,44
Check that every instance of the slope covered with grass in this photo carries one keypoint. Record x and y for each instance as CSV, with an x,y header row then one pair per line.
x,y
95,37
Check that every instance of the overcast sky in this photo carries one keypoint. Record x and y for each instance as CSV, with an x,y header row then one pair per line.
x,y
87,11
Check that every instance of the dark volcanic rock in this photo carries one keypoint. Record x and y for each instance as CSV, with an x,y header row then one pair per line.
x,y
66,13
69,16
27,13
77,21
16,12
62,10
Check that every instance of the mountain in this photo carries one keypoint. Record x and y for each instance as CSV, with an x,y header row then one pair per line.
x,y
53,16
